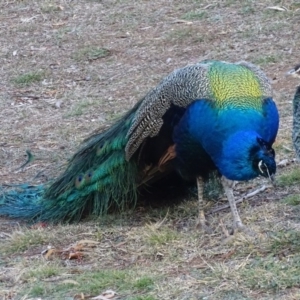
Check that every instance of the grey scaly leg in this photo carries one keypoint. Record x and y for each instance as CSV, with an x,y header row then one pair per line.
x,y
201,219
237,222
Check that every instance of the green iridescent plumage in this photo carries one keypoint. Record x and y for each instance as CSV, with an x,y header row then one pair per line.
x,y
235,85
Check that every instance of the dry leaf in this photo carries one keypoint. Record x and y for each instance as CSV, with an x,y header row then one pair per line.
x,y
76,248
75,255
49,252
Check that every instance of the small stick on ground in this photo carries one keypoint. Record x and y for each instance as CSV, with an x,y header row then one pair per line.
x,y
261,189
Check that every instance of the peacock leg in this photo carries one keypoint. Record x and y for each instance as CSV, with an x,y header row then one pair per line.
x,y
237,222
201,219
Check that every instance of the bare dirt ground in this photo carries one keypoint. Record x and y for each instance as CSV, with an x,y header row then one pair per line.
x,y
69,68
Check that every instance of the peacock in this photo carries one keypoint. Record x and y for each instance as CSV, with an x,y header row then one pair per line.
x,y
210,117
295,72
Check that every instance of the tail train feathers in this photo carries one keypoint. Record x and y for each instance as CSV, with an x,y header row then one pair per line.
x,y
97,177
100,170
22,201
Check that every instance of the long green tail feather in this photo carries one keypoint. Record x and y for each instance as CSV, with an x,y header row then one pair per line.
x,y
97,178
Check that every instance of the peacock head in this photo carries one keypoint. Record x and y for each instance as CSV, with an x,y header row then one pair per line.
x,y
245,155
263,158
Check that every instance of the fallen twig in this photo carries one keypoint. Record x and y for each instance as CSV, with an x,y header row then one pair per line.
x,y
221,207
286,162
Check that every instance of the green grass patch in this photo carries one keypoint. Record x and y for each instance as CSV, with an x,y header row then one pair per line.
x,y
275,14
285,242
187,33
24,240
265,60
181,34
272,274
114,116
93,282
144,283
292,199
90,53
89,283
51,8
291,178
80,108
247,10
38,290
29,78
194,15
42,271
61,34
162,236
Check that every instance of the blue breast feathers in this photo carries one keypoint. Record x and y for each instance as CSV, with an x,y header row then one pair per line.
x,y
231,135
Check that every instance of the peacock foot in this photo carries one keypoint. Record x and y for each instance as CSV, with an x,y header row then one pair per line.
x,y
239,226
234,234
202,223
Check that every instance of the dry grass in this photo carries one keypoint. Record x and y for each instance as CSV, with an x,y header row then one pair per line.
x,y
70,67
